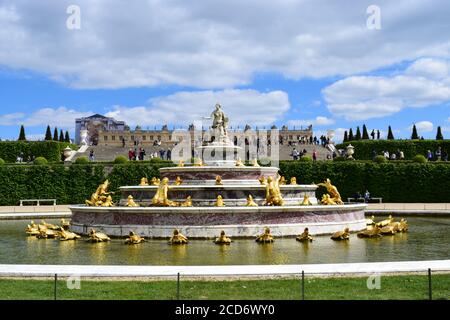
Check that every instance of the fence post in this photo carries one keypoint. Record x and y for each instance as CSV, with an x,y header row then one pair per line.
x,y
54,288
178,286
430,288
303,285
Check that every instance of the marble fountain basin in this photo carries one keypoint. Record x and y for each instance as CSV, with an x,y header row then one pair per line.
x,y
207,222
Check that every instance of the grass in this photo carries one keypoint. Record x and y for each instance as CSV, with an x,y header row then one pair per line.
x,y
408,287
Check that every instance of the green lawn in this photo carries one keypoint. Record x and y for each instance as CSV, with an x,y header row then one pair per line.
x,y
392,287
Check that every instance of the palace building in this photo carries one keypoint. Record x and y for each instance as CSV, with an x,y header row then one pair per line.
x,y
105,131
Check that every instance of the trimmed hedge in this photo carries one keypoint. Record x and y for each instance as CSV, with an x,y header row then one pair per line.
x,y
410,148
50,150
394,182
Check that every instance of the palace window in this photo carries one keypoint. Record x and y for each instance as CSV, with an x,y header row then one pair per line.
x,y
113,138
144,138
105,138
132,138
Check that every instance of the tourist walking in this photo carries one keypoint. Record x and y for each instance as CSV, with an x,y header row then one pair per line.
x,y
91,156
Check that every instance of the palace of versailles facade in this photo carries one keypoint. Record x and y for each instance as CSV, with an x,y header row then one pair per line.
x,y
105,131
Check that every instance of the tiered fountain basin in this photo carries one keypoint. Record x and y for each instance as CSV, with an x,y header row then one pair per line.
x,y
205,220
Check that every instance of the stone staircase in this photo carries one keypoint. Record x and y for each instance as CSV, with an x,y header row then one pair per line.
x,y
109,153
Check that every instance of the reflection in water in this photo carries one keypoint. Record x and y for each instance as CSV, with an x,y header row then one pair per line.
x,y
427,240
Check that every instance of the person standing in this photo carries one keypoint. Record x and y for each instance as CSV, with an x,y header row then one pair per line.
x,y
314,155
91,156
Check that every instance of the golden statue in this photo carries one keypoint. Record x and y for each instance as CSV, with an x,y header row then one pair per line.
x,y
222,239
341,235
255,163
155,181
178,181
45,233
304,236
239,163
333,191
262,180
251,202
130,202
95,236
161,198
385,222
371,221
49,225
293,180
282,181
306,201
327,200
180,163
32,229
219,201
65,224
144,182
390,229
65,235
108,202
403,225
198,162
273,193
266,237
100,196
133,238
219,180
372,233
178,238
187,202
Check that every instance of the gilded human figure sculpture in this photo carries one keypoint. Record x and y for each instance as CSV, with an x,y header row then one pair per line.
x,y
327,200
178,238
45,233
306,201
385,222
178,181
222,239
161,195
293,181
219,180
262,180
403,226
251,202
65,224
282,181
266,237
239,163
144,182
155,181
108,202
100,196
333,192
32,229
305,236
219,201
187,202
255,163
180,163
273,193
130,202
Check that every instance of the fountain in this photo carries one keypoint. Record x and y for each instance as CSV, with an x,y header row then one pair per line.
x,y
252,198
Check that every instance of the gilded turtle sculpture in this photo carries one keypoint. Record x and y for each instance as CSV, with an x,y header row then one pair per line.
x,y
95,236
65,235
341,235
372,233
133,238
222,239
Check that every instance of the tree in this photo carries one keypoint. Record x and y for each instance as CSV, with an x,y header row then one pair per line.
x,y
345,136
61,136
414,135
390,135
48,134
350,135
358,134
67,137
55,134
439,135
22,136
365,134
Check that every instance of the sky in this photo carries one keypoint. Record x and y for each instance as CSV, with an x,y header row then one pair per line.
x,y
333,64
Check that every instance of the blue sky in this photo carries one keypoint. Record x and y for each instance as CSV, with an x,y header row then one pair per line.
x,y
163,62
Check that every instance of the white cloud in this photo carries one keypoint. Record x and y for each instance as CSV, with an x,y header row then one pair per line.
x,y
209,44
241,106
365,97
423,126
318,121
61,117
